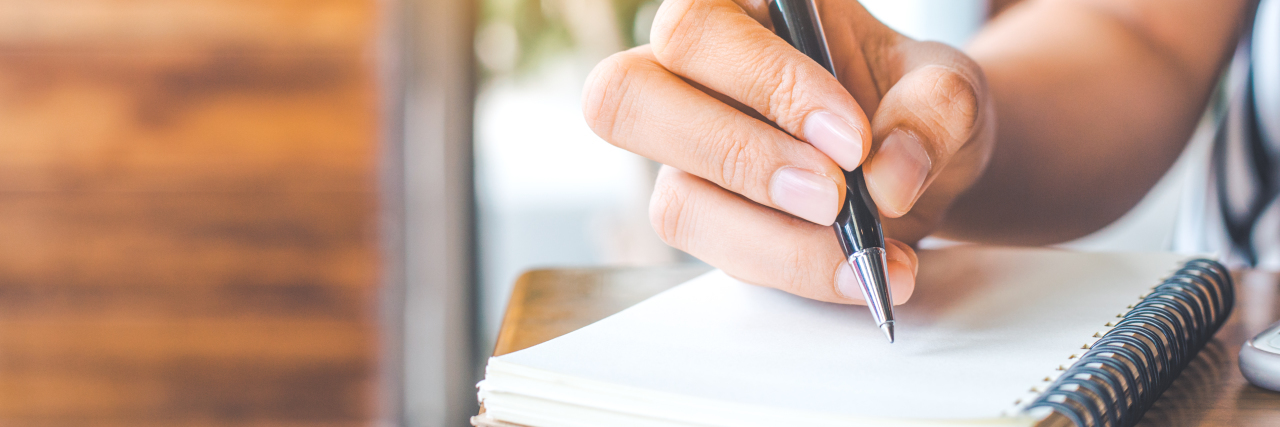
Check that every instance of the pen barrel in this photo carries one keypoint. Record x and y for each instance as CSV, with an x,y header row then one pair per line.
x,y
871,265
797,22
857,225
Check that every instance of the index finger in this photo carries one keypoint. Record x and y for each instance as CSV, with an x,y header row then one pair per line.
x,y
717,44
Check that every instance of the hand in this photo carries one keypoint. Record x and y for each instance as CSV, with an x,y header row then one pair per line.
x,y
754,135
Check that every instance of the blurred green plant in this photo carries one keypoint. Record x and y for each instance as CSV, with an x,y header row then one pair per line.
x,y
626,11
514,36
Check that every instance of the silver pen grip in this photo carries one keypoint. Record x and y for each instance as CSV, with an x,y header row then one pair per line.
x,y
870,266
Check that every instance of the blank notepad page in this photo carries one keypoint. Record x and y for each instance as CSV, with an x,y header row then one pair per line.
x,y
984,327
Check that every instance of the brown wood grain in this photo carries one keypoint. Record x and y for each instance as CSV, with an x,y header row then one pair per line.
x,y
213,308
259,25
1209,393
189,213
549,303
195,121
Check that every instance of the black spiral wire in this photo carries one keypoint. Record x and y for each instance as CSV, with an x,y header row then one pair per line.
x,y
1123,373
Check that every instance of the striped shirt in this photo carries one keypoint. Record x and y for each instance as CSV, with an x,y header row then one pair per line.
x,y
1237,213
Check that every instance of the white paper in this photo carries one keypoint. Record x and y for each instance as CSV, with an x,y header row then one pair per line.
x,y
984,326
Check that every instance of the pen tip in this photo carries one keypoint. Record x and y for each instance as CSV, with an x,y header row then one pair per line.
x,y
887,327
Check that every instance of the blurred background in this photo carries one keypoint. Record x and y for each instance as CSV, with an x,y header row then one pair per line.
x,y
308,212
190,204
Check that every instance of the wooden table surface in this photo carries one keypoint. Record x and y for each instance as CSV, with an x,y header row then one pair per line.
x,y
189,213
1210,392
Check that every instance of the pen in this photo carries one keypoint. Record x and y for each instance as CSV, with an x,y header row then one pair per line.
x,y
857,225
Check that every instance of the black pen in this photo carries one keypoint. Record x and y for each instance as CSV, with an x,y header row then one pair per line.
x,y
857,225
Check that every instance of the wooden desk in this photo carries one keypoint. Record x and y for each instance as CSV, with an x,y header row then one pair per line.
x,y
548,303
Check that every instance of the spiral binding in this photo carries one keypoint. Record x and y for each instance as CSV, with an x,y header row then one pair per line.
x,y
1124,372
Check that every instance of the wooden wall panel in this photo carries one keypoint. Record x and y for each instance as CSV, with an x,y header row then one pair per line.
x,y
185,24
207,121
189,213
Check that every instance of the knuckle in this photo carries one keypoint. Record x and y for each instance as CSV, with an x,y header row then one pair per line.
x,y
677,30
605,98
737,164
953,102
735,159
775,87
667,210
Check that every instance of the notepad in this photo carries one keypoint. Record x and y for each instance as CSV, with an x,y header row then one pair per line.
x,y
991,336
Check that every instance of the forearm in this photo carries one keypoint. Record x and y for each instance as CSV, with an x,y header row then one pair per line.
x,y
1094,101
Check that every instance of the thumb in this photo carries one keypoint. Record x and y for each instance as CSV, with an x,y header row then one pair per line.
x,y
927,116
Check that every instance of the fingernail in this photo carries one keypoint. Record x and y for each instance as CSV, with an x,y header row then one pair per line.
x,y
835,138
902,279
805,194
901,282
847,284
897,171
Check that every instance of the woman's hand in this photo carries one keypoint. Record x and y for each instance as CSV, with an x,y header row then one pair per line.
x,y
754,136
